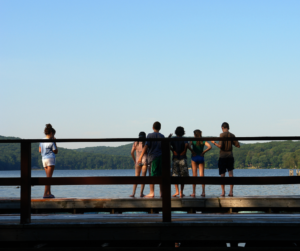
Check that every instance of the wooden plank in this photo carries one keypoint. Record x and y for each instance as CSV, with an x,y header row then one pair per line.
x,y
264,138
282,202
165,183
270,180
183,228
25,182
209,219
203,248
107,180
10,181
121,180
201,202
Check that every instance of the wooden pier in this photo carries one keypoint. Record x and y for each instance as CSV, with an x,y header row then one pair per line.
x,y
29,224
148,230
269,204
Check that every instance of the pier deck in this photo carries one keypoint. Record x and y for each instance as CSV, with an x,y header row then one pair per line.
x,y
184,228
152,205
35,222
194,229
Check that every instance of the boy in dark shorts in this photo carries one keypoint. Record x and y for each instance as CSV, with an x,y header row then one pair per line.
x,y
154,155
179,163
226,160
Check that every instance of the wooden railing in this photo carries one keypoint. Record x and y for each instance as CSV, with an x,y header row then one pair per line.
x,y
25,181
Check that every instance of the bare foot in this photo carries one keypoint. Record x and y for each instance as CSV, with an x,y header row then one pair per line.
x,y
222,195
132,195
203,194
181,195
149,195
175,194
142,195
193,195
230,194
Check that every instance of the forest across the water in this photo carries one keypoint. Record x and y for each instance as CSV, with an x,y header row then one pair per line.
x,y
276,154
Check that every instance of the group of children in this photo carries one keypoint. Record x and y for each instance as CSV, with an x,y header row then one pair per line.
x,y
149,157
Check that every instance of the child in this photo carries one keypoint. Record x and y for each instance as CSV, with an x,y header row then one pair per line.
x,y
226,160
48,151
137,147
179,165
198,158
154,155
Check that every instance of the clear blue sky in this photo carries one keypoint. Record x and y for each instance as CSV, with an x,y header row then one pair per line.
x,y
111,68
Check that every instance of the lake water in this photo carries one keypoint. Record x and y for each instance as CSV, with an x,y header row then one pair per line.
x,y
115,191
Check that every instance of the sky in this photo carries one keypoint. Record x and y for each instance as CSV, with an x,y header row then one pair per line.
x,y
110,69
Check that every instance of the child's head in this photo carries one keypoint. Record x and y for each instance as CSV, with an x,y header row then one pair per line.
x,y
197,133
142,135
225,126
179,131
49,130
156,126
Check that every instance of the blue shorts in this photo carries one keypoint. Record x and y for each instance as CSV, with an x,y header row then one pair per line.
x,y
198,159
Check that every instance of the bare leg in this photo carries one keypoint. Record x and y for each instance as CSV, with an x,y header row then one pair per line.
x,y
223,186
151,194
49,172
177,191
181,190
231,186
137,173
144,172
201,173
194,169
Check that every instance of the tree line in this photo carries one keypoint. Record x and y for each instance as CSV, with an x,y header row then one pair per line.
x,y
284,154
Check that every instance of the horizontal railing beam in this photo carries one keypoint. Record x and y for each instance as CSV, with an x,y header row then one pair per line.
x,y
10,181
153,139
270,180
129,180
121,180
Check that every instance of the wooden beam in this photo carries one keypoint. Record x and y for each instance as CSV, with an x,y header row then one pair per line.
x,y
25,182
264,138
165,182
122,180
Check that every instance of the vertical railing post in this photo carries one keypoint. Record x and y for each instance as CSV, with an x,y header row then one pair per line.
x,y
25,182
166,181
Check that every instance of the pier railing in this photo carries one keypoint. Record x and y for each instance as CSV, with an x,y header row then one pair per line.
x,y
25,181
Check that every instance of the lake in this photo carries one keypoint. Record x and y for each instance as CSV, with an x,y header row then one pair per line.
x,y
115,191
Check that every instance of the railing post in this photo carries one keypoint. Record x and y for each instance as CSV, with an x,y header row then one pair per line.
x,y
25,182
166,182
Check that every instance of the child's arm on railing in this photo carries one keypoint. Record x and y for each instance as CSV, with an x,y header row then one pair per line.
x,y
217,145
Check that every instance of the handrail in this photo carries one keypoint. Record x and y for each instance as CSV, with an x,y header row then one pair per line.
x,y
165,180
86,140
129,180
